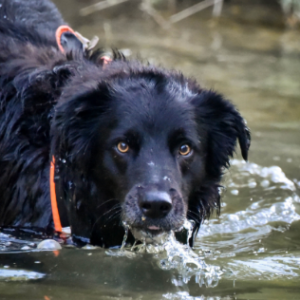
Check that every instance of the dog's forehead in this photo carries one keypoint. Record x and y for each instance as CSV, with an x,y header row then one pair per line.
x,y
154,104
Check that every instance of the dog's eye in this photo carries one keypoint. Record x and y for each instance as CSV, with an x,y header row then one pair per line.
x,y
123,147
185,150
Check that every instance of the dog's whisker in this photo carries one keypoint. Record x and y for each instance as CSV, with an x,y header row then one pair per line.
x,y
105,202
114,215
112,210
117,206
193,216
193,213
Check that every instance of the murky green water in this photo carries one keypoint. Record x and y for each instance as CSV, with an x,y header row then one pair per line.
x,y
256,241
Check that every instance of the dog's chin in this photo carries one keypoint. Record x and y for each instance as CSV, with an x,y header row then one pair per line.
x,y
151,235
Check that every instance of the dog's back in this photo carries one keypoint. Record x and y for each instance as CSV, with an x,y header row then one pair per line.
x,y
33,72
31,20
28,51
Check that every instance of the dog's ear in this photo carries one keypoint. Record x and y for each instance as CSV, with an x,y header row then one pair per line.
x,y
222,126
77,124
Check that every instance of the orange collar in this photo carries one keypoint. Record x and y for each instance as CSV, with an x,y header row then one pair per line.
x,y
55,213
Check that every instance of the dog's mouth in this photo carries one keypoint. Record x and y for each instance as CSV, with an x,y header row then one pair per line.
x,y
150,234
154,230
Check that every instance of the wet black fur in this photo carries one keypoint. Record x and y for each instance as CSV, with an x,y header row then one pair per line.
x,y
70,107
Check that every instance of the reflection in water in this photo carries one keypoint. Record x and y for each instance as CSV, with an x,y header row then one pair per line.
x,y
19,275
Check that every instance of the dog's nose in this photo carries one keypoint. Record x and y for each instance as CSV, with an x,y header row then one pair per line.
x,y
155,204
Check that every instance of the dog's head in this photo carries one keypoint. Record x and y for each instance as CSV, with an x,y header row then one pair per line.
x,y
144,146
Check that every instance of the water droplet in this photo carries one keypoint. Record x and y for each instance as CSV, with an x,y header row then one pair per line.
x,y
25,248
189,226
265,183
252,184
234,192
167,178
89,247
49,245
126,227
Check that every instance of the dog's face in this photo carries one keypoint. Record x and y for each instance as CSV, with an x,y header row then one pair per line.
x,y
155,145
153,154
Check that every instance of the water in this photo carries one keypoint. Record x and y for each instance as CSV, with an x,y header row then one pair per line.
x,y
252,251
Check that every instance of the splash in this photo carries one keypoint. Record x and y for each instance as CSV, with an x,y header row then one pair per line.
x,y
188,265
253,217
172,255
126,227
273,173
263,210
267,208
183,295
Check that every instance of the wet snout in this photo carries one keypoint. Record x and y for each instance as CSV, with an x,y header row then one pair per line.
x,y
155,204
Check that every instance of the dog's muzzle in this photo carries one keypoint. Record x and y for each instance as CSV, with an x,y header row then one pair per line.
x,y
152,212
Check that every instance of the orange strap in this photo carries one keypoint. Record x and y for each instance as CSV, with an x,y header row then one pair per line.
x,y
59,31
65,28
106,60
55,213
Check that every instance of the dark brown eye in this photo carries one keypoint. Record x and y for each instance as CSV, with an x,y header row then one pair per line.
x,y
123,147
185,150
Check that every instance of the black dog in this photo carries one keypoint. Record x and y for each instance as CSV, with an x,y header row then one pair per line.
x,y
131,144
